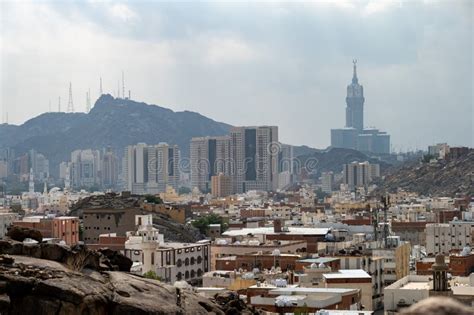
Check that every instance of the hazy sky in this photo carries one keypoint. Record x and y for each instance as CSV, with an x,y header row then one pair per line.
x,y
283,64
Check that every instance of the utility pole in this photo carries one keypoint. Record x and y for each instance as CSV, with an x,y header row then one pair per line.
x,y
385,201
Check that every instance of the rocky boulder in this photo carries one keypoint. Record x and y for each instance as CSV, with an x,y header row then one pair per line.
x,y
20,234
38,286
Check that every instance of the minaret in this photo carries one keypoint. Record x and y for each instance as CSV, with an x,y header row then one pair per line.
x,y
31,184
440,274
45,189
355,102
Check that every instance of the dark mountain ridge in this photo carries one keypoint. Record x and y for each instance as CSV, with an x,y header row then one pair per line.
x,y
111,122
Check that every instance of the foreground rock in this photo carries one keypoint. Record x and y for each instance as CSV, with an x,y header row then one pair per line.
x,y
75,258
37,286
20,234
54,279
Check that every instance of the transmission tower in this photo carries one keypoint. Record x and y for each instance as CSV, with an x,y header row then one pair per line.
x,y
123,85
70,105
88,101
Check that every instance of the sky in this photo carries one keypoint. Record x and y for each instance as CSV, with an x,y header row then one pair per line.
x,y
244,63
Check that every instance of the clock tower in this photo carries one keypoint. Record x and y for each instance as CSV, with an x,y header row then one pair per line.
x,y
355,103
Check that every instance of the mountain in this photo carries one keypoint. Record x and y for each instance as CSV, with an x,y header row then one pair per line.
x,y
112,122
441,178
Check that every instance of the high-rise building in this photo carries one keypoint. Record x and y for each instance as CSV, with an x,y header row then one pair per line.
x,y
221,186
360,174
163,167
109,169
254,152
210,156
327,182
135,168
40,165
354,135
85,168
355,103
150,168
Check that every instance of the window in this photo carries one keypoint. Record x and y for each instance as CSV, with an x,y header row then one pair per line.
x,y
186,275
186,262
179,275
193,274
199,259
179,263
192,261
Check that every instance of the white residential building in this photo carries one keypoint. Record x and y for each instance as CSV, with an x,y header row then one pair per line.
x,y
171,261
441,238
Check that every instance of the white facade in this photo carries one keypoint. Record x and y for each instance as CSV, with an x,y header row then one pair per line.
x,y
170,261
444,237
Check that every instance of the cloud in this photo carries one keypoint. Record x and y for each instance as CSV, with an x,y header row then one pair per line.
x,y
122,12
280,63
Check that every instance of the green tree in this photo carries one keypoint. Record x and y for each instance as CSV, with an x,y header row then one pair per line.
x,y
203,222
153,199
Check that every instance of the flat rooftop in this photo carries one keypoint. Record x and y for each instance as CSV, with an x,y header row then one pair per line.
x,y
269,231
416,286
348,274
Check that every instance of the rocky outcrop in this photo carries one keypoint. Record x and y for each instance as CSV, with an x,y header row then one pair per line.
x,y
441,178
37,286
54,279
20,234
76,258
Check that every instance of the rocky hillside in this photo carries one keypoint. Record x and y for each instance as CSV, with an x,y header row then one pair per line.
x,y
32,283
112,122
443,178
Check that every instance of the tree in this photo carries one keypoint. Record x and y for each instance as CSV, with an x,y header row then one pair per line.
x,y
203,223
153,199
152,275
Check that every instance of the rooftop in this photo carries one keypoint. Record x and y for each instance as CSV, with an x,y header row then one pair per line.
x,y
347,274
270,231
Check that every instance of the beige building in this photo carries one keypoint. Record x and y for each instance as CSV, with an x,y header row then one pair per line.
x,y
396,260
230,280
221,186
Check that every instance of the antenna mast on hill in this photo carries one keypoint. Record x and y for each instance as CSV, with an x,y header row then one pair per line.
x,y
70,105
88,101
123,85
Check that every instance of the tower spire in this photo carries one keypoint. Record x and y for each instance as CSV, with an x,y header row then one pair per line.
x,y
354,75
